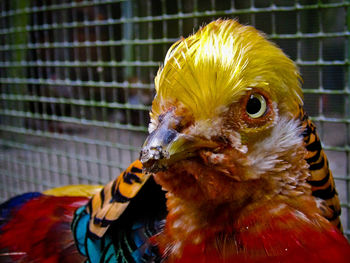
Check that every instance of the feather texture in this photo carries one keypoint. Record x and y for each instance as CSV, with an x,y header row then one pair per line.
x,y
127,239
74,190
111,201
38,230
285,235
210,69
321,177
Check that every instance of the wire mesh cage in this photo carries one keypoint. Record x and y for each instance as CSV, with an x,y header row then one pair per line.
x,y
76,80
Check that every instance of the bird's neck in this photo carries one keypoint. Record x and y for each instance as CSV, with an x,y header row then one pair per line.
x,y
202,220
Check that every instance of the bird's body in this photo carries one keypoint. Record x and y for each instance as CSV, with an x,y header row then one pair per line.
x,y
245,176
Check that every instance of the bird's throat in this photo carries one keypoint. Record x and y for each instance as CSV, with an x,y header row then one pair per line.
x,y
202,203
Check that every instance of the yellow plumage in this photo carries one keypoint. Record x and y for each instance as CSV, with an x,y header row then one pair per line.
x,y
74,190
209,70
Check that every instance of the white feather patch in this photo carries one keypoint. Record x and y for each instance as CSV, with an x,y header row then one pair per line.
x,y
285,136
206,128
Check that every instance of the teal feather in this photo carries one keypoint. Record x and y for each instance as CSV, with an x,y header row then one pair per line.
x,y
128,238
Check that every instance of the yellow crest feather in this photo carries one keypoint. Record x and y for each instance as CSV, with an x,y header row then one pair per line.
x,y
209,70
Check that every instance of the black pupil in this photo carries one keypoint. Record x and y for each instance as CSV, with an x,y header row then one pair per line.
x,y
253,105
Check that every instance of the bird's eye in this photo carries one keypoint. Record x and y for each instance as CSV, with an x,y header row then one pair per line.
x,y
256,106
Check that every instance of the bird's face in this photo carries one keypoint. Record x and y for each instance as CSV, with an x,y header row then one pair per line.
x,y
223,126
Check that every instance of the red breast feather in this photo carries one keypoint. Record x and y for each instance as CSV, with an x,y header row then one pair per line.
x,y
285,235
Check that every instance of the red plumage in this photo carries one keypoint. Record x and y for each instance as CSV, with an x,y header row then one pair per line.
x,y
272,233
41,226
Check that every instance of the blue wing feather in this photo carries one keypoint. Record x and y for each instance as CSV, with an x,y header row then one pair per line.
x,y
14,204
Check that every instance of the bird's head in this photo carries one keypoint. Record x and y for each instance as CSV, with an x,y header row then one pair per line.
x,y
223,121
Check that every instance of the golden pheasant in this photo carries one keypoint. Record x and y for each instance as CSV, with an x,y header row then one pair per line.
x,y
241,163
244,172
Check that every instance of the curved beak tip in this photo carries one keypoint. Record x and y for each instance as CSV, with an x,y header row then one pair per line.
x,y
150,157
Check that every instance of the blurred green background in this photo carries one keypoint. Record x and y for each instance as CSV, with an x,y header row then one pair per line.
x,y
76,80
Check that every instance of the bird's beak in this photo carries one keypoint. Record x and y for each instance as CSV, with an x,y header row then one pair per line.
x,y
165,145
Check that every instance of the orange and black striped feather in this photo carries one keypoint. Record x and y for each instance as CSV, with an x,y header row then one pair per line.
x,y
107,206
321,178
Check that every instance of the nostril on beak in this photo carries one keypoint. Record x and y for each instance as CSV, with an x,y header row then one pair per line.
x,y
158,145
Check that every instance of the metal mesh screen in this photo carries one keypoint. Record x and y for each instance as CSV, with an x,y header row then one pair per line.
x,y
76,80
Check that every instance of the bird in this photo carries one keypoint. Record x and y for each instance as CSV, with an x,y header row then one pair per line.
x,y
234,157
232,169
238,157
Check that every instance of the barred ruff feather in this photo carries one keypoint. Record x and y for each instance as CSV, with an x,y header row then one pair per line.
x,y
106,206
210,69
